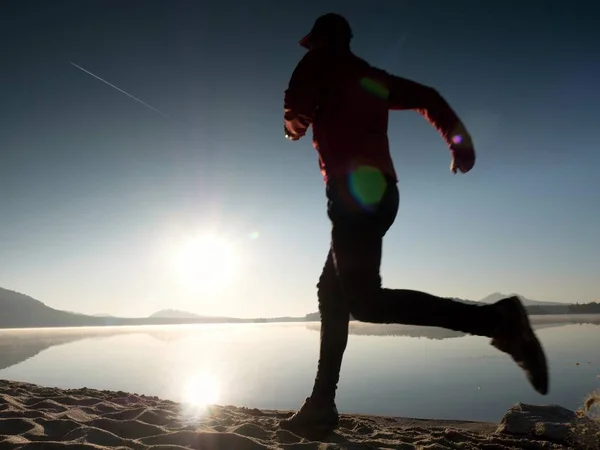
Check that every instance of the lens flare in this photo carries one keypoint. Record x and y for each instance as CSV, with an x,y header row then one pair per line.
x,y
375,87
457,139
367,185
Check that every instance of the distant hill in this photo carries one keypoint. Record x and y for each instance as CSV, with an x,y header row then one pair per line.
x,y
178,314
175,314
22,311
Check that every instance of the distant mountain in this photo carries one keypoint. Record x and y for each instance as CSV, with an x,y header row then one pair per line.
x,y
22,311
492,298
175,314
11,299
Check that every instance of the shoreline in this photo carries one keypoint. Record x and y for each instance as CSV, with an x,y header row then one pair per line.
x,y
33,417
539,320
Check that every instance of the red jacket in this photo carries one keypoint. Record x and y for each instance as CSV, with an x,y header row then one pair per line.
x,y
346,100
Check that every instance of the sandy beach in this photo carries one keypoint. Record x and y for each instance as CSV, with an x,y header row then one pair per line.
x,y
36,417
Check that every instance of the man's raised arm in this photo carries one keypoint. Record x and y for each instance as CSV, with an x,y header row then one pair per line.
x,y
406,94
301,98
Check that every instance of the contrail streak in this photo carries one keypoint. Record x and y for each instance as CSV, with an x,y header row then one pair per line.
x,y
121,90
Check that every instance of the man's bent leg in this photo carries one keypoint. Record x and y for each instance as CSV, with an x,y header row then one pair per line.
x,y
357,248
357,257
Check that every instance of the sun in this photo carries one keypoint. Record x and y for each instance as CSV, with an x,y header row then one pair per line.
x,y
207,262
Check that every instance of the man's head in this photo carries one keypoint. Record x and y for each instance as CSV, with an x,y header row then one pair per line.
x,y
328,30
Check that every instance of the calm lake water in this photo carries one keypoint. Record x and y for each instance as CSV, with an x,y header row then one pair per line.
x,y
389,370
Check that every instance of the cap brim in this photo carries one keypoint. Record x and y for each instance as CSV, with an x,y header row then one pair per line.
x,y
305,41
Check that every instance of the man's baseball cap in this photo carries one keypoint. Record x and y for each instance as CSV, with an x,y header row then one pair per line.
x,y
329,26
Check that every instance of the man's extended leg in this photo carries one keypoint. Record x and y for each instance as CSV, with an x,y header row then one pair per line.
x,y
357,255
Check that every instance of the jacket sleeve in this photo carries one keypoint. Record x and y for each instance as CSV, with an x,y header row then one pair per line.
x,y
301,98
406,94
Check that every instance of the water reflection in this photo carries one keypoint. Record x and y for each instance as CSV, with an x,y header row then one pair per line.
x,y
17,346
426,373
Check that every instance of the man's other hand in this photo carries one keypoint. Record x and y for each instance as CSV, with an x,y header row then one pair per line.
x,y
289,135
463,160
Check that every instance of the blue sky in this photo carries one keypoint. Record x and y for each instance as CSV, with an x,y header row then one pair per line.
x,y
96,190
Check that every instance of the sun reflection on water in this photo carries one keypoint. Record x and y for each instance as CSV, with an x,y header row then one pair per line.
x,y
200,391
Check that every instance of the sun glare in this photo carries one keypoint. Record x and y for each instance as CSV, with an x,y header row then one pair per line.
x,y
207,262
201,390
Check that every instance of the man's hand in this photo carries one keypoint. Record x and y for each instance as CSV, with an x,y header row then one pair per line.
x,y
463,159
289,135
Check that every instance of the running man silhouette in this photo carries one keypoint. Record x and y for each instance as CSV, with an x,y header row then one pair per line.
x,y
347,102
